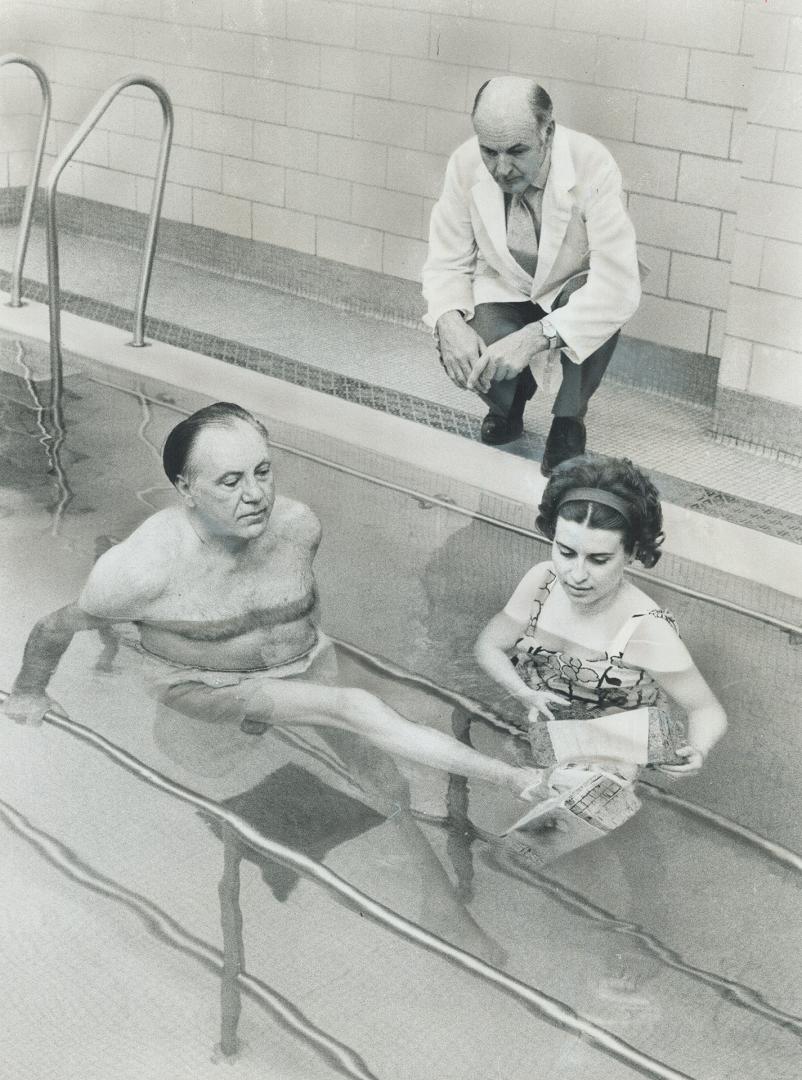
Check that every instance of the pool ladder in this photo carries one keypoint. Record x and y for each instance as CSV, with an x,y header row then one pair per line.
x,y
54,289
30,192
67,154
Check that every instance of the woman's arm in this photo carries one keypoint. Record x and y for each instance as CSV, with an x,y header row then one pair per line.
x,y
492,653
657,648
706,719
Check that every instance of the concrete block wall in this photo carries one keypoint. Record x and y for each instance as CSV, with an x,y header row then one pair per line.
x,y
324,125
762,354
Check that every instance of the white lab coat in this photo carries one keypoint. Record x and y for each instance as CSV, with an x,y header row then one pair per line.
x,y
585,231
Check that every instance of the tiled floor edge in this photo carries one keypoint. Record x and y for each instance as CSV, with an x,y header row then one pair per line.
x,y
682,493
644,364
759,423
433,462
11,200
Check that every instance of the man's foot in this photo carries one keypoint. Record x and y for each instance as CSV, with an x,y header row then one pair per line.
x,y
497,430
566,439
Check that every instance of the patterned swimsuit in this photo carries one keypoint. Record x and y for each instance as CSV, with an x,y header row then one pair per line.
x,y
596,686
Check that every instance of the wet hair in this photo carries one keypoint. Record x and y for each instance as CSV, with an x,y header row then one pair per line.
x,y
539,102
178,445
641,528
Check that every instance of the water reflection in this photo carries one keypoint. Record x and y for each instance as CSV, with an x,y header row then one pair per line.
x,y
31,418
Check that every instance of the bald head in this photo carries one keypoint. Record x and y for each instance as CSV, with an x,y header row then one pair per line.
x,y
510,99
512,118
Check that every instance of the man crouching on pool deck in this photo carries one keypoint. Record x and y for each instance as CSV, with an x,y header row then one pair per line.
x,y
222,592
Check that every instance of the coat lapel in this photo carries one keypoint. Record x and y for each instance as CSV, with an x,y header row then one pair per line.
x,y
488,200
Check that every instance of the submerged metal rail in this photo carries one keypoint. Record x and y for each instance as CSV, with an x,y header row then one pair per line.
x,y
520,530
545,1007
30,192
54,291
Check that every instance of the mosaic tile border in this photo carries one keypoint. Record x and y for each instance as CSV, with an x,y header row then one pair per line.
x,y
636,362
705,500
11,200
758,422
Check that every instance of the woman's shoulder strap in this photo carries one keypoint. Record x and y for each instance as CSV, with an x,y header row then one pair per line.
x,y
622,638
540,594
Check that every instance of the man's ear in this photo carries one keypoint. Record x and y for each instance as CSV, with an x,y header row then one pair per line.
x,y
548,134
182,487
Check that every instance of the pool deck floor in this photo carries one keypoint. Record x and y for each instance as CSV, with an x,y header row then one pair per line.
x,y
668,436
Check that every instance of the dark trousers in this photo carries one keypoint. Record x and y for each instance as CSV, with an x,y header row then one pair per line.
x,y
494,321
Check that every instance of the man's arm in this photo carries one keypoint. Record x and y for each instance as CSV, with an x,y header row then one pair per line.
x,y
47,643
611,294
447,274
121,583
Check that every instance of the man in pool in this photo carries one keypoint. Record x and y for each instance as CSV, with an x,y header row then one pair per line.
x,y
531,255
221,590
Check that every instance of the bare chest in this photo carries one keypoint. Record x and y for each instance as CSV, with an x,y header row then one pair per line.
x,y
277,585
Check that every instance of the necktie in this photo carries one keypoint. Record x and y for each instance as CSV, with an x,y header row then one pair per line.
x,y
522,232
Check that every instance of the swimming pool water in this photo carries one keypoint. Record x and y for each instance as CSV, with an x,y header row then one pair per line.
x,y
671,934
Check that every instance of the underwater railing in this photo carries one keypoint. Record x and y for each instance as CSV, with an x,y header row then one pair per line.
x,y
54,291
544,1006
30,192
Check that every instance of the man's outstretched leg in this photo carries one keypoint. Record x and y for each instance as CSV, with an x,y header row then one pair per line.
x,y
279,701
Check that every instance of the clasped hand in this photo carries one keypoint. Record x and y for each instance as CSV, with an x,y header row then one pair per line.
x,y
472,365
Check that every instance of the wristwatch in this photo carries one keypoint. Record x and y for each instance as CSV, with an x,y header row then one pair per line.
x,y
550,332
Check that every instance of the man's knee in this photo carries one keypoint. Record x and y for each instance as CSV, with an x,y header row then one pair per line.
x,y
494,321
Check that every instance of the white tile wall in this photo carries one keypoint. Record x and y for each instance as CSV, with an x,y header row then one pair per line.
x,y
324,125
391,211
765,318
700,281
781,267
353,159
625,19
349,244
693,229
403,257
286,228
282,145
736,359
354,72
747,259
671,322
642,65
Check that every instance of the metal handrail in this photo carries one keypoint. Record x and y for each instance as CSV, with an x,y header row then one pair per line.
x,y
54,292
30,193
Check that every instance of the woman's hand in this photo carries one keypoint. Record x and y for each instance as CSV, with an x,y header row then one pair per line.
x,y
693,765
537,702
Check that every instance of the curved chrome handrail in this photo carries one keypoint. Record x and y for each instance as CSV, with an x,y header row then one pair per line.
x,y
538,1002
30,193
54,291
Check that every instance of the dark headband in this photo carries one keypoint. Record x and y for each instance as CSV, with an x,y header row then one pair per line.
x,y
598,495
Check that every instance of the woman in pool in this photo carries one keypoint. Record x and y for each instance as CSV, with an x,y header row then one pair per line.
x,y
588,645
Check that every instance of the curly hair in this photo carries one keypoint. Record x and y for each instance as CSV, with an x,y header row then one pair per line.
x,y
642,533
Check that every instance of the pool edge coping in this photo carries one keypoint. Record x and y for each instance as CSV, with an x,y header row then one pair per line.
x,y
745,553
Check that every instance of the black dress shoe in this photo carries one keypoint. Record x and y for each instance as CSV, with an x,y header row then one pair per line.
x,y
501,429
566,439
